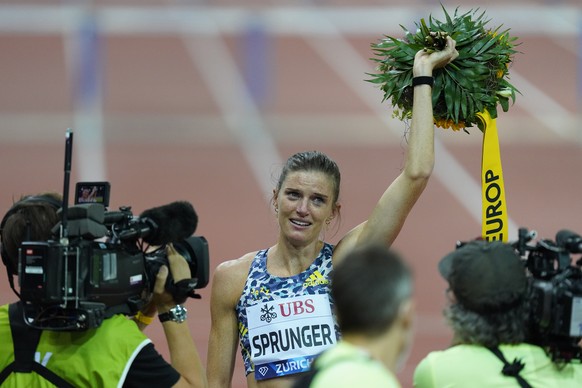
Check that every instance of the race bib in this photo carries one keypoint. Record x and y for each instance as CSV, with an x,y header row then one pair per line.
x,y
286,334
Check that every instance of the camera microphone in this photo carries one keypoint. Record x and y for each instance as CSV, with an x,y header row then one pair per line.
x,y
164,224
569,240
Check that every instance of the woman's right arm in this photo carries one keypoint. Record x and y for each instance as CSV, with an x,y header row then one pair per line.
x,y
227,285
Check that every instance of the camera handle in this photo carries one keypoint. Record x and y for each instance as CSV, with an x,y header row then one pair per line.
x,y
183,289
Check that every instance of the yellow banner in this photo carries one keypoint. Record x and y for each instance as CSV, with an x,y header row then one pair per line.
x,y
494,221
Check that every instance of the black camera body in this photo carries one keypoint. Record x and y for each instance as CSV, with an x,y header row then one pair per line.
x,y
554,292
105,263
50,273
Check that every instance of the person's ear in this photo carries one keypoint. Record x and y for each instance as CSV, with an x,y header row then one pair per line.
x,y
275,197
336,210
406,314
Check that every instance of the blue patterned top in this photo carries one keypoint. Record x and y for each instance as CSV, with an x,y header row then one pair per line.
x,y
261,286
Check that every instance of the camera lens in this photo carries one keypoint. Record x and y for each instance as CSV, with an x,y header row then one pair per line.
x,y
195,250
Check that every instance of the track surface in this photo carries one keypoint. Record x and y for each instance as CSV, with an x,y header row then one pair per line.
x,y
174,120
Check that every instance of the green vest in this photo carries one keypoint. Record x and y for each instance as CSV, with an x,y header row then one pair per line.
x,y
93,358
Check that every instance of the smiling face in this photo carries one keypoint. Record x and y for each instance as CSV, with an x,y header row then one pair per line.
x,y
304,202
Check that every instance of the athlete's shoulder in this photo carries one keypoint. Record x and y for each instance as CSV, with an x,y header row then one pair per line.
x,y
234,272
236,266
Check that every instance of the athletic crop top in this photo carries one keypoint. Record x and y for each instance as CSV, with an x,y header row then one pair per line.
x,y
284,322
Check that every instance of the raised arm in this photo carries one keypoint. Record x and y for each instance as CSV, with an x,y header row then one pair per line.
x,y
389,214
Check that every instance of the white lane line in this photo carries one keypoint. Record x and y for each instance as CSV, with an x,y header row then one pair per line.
x,y
88,141
542,107
226,84
546,20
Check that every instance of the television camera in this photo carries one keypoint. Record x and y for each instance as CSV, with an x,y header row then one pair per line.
x,y
555,291
99,263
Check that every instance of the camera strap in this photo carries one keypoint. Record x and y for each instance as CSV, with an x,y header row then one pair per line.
x,y
183,289
512,369
25,340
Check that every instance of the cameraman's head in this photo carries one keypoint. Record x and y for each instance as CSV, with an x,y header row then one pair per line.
x,y
488,288
29,219
372,292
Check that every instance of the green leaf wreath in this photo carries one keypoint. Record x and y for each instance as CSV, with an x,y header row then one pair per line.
x,y
474,82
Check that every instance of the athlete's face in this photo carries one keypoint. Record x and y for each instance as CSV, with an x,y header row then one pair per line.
x,y
304,203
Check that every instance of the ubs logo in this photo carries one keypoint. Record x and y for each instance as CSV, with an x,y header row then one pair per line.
x,y
268,313
297,307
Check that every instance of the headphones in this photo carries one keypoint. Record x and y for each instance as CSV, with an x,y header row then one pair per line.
x,y
45,199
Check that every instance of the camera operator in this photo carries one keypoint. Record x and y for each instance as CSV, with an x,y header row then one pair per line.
x,y
116,353
488,311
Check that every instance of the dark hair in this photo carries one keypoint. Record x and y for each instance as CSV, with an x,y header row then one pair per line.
x,y
489,330
31,218
312,161
368,288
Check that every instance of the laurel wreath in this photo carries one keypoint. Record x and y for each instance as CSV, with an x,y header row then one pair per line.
x,y
477,80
